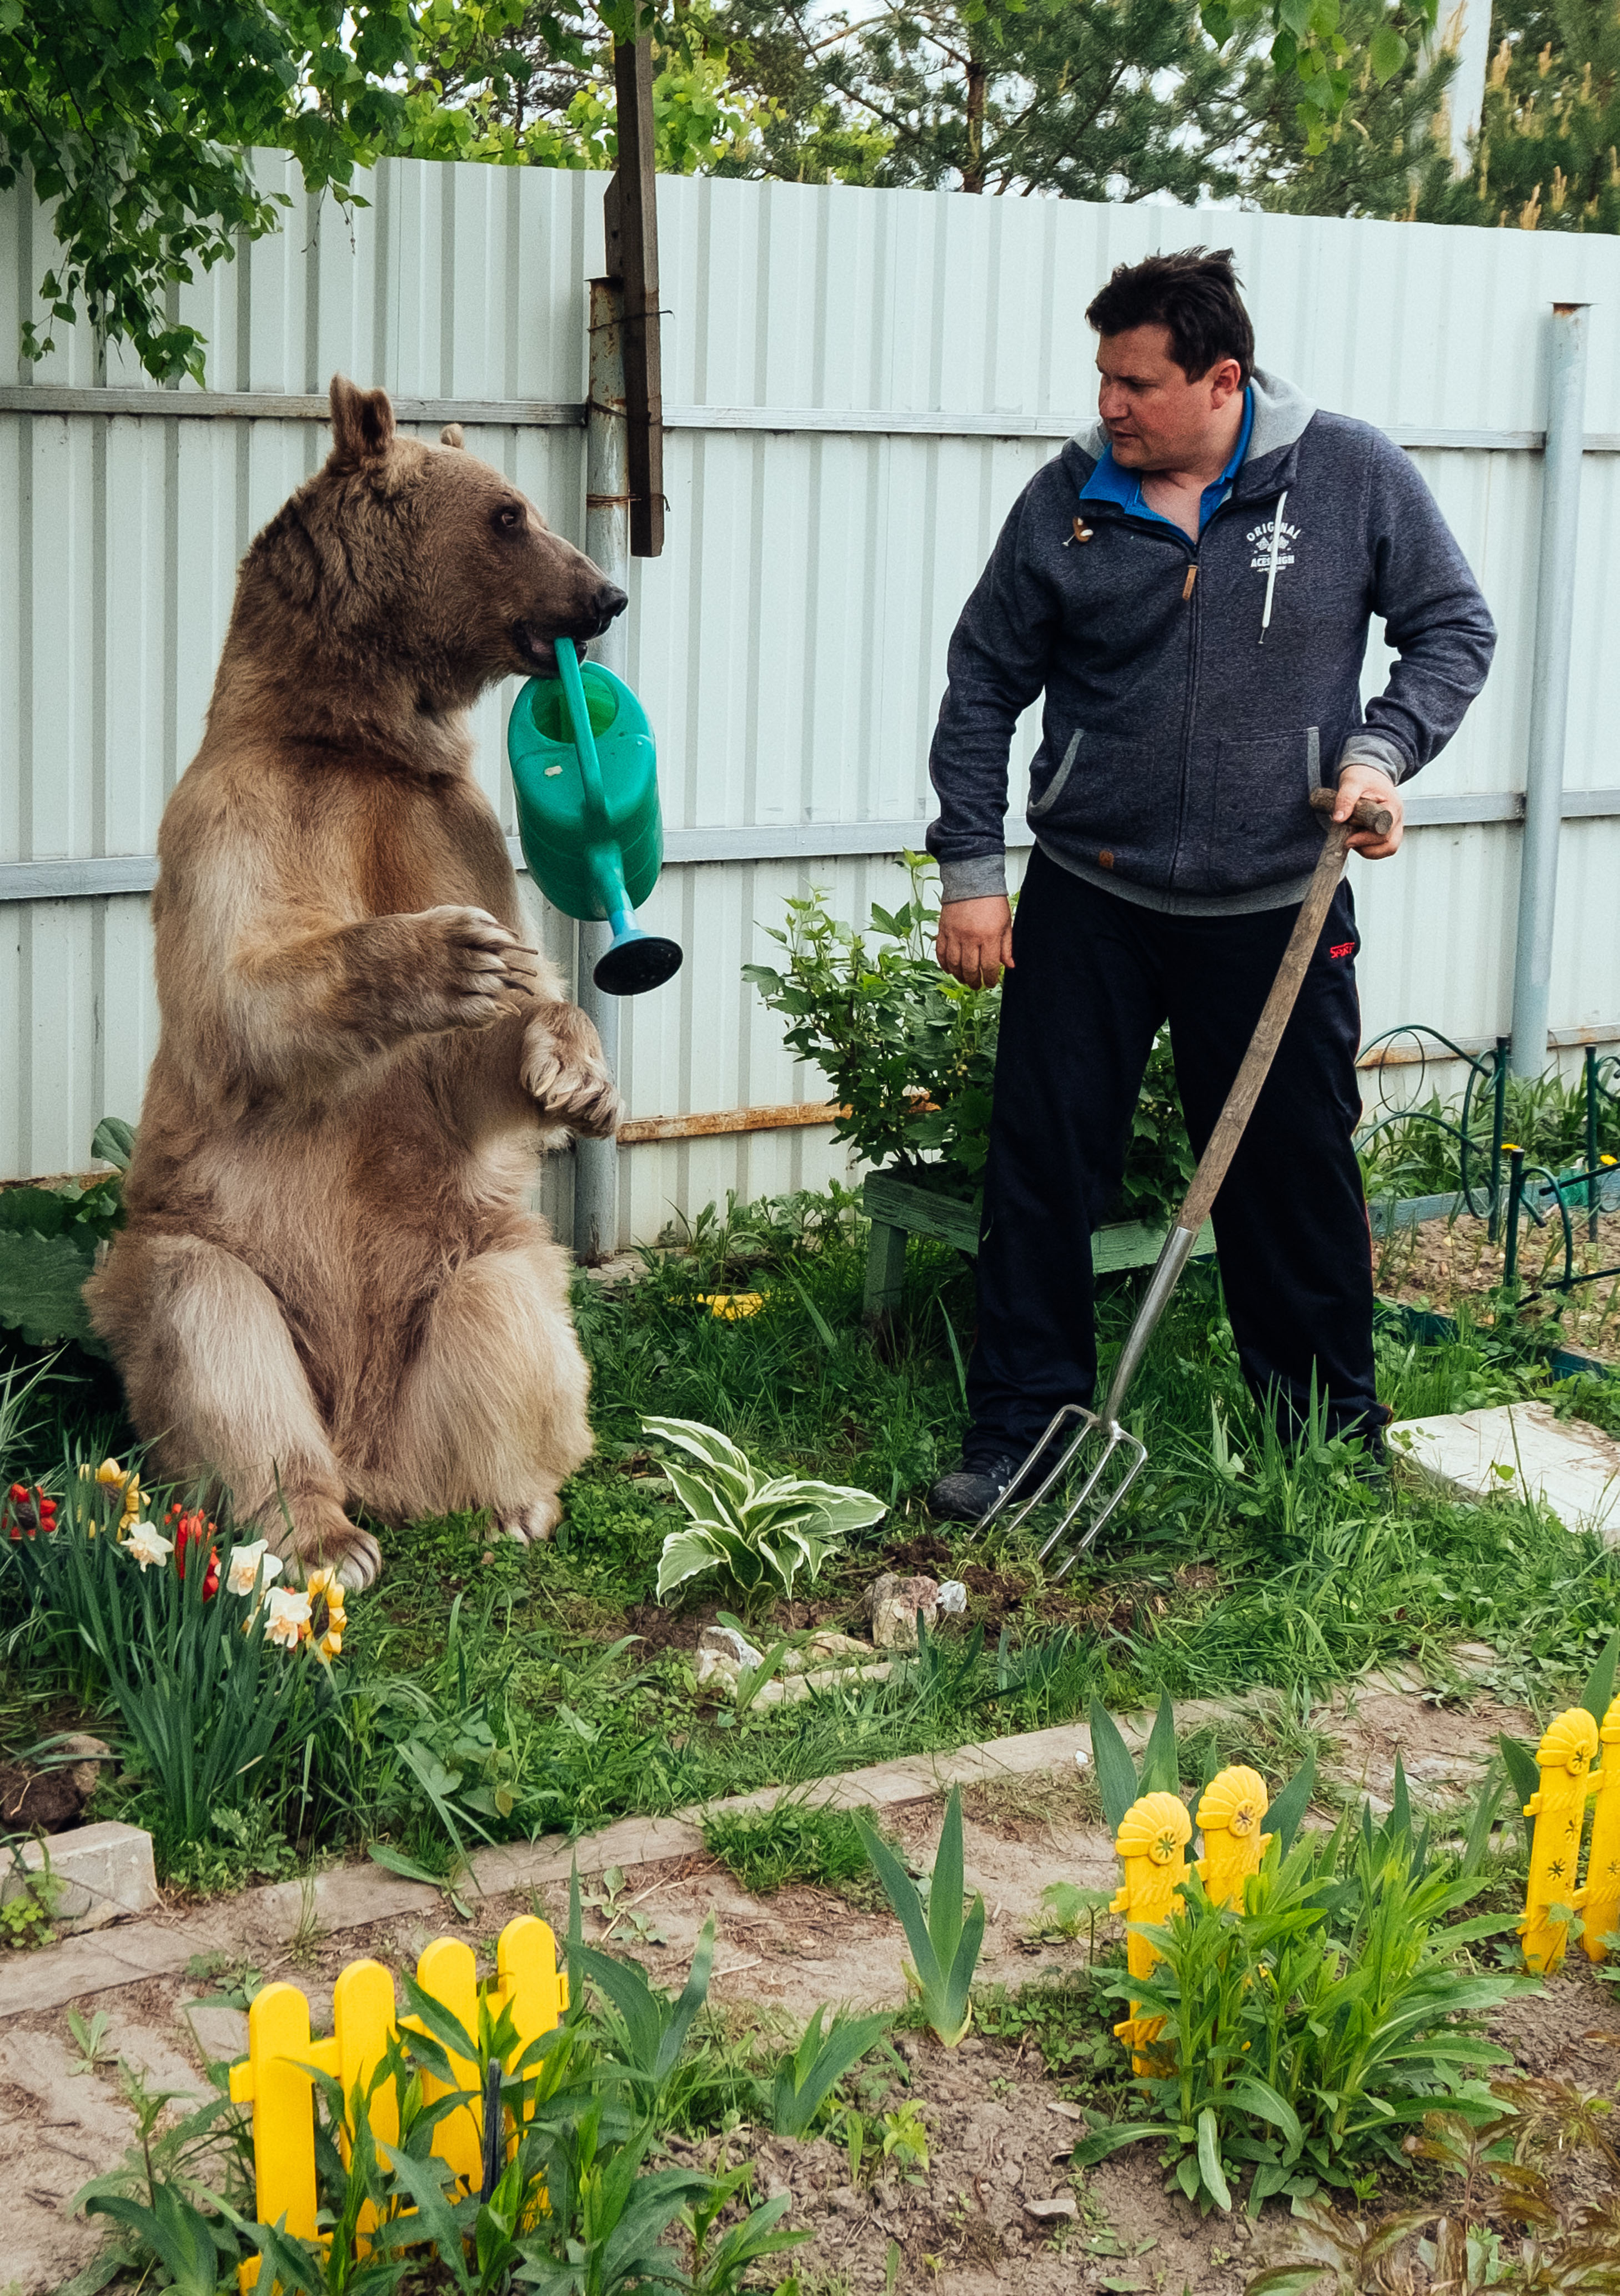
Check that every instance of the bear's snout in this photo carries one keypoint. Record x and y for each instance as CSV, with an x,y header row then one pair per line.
x,y
608,602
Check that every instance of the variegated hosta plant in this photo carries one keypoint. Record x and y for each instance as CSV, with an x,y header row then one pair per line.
x,y
754,1528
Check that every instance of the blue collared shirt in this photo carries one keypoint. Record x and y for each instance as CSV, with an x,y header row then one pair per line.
x,y
1109,483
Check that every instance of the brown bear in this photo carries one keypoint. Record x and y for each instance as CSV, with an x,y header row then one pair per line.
x,y
330,1289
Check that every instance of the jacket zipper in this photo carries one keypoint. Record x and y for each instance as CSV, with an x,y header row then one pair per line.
x,y
1190,593
1189,597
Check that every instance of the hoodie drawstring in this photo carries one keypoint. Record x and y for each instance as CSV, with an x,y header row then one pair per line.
x,y
1271,576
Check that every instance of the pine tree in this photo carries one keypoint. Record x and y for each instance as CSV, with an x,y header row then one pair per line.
x,y
1546,155
1088,99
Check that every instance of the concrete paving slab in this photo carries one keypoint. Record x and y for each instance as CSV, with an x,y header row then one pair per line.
x,y
1524,1450
102,1873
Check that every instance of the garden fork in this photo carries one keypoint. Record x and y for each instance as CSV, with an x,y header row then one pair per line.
x,y
1116,1440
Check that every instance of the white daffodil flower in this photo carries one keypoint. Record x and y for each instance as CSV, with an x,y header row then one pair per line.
x,y
145,1545
288,1616
254,1560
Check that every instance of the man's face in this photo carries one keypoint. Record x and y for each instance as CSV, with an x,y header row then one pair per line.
x,y
1157,418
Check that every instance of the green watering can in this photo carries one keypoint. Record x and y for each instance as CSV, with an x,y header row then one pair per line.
x,y
585,770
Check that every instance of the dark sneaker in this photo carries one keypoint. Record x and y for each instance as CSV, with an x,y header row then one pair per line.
x,y
974,1488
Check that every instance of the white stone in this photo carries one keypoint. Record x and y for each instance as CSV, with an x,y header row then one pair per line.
x,y
953,1598
787,1690
826,1649
104,1873
725,1643
1570,1466
894,1605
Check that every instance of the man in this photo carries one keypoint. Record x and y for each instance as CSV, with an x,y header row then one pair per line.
x,y
1190,584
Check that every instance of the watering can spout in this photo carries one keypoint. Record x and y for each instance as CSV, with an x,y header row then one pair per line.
x,y
635,960
586,772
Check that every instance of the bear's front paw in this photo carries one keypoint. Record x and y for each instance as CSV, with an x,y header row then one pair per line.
x,y
462,968
564,1073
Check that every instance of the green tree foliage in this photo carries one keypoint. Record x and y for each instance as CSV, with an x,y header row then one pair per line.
x,y
135,118
1107,99
1326,56
1547,157
1368,160
514,82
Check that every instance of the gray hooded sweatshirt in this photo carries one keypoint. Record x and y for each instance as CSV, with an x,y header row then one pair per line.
x,y
1197,692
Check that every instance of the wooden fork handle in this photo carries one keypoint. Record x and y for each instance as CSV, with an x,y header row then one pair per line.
x,y
1365,813
1240,1099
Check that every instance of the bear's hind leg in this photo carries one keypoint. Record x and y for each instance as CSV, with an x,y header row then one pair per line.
x,y
215,1383
491,1412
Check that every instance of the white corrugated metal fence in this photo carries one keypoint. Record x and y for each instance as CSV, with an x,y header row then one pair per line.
x,y
856,383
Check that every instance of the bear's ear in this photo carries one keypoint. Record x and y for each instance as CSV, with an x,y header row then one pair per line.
x,y
362,423
451,435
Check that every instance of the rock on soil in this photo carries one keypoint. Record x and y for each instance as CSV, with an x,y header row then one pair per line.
x,y
48,1797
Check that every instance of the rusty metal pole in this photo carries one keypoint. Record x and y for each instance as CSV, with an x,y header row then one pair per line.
x,y
607,541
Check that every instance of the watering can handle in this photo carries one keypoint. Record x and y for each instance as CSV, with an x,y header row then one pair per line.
x,y
585,739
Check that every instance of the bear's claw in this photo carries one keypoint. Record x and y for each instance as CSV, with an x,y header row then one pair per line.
x,y
563,1073
531,1525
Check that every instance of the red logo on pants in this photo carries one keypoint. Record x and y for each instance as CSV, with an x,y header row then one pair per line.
x,y
1342,949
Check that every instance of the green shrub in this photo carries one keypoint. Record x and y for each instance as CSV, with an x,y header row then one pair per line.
x,y
909,1053
48,1240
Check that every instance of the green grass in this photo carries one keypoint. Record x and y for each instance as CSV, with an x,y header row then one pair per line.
x,y
793,1841
488,1691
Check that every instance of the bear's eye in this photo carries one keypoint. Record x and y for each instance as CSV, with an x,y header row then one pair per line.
x,y
507,517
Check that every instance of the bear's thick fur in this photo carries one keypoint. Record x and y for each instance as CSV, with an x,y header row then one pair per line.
x,y
329,1289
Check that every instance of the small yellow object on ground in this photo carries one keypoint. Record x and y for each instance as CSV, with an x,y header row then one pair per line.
x,y
730,1305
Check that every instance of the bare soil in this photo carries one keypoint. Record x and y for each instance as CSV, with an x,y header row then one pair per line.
x,y
1451,1263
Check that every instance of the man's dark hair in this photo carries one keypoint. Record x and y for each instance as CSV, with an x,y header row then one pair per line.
x,y
1194,293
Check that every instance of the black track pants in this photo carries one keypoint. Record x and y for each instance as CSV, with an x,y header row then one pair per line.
x,y
1096,976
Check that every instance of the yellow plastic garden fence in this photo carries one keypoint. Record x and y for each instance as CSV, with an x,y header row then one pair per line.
x,y
1569,1747
275,2077
1150,1845
1155,1831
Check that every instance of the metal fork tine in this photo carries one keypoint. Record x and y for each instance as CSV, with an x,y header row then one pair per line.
x,y
1064,1411
1119,1438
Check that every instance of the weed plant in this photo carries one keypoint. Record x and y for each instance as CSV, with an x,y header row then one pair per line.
x,y
794,1840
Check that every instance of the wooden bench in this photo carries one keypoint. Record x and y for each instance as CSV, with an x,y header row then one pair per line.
x,y
898,1208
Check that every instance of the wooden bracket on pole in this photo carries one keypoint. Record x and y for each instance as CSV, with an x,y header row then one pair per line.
x,y
631,219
